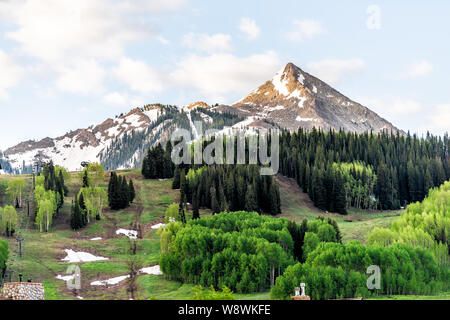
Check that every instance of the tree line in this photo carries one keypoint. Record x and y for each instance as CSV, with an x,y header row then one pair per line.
x,y
120,192
90,199
406,167
228,188
157,163
242,251
49,193
424,224
334,271
413,256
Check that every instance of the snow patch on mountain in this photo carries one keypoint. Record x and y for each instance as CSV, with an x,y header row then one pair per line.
x,y
305,119
280,83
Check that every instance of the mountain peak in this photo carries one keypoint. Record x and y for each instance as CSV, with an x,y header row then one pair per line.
x,y
293,99
291,69
198,104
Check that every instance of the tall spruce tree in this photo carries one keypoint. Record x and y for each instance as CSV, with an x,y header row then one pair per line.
x,y
131,191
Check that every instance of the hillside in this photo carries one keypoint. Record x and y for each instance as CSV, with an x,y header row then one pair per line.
x,y
43,251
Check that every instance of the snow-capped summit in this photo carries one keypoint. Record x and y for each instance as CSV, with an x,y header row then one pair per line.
x,y
293,98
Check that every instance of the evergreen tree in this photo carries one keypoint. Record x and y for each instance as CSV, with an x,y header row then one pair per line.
x,y
85,179
340,202
195,205
124,193
176,178
250,200
131,191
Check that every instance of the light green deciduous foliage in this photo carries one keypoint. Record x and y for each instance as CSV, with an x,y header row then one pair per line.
x,y
45,213
172,213
240,250
360,181
3,188
95,173
201,293
4,252
311,241
15,189
95,199
425,224
334,270
46,202
66,175
8,220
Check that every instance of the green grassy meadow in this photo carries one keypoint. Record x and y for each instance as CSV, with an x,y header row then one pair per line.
x,y
43,252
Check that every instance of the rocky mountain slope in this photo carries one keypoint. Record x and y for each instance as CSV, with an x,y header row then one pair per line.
x,y
119,142
294,99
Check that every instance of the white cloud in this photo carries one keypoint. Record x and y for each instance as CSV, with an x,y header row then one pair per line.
x,y
249,28
221,74
139,76
420,68
54,29
83,76
10,74
402,106
333,70
440,119
122,100
305,30
159,6
393,107
68,39
202,42
162,40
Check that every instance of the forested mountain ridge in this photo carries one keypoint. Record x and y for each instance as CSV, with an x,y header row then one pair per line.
x,y
118,142
371,171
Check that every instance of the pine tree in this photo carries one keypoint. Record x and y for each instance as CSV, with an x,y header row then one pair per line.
x,y
85,179
83,211
131,192
124,194
181,212
250,200
168,164
195,205
182,182
274,198
74,220
176,178
340,201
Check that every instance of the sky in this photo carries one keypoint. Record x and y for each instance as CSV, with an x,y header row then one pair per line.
x,y
69,64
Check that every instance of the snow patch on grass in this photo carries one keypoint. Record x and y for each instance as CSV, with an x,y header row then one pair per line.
x,y
111,281
74,257
155,270
132,234
157,226
65,278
